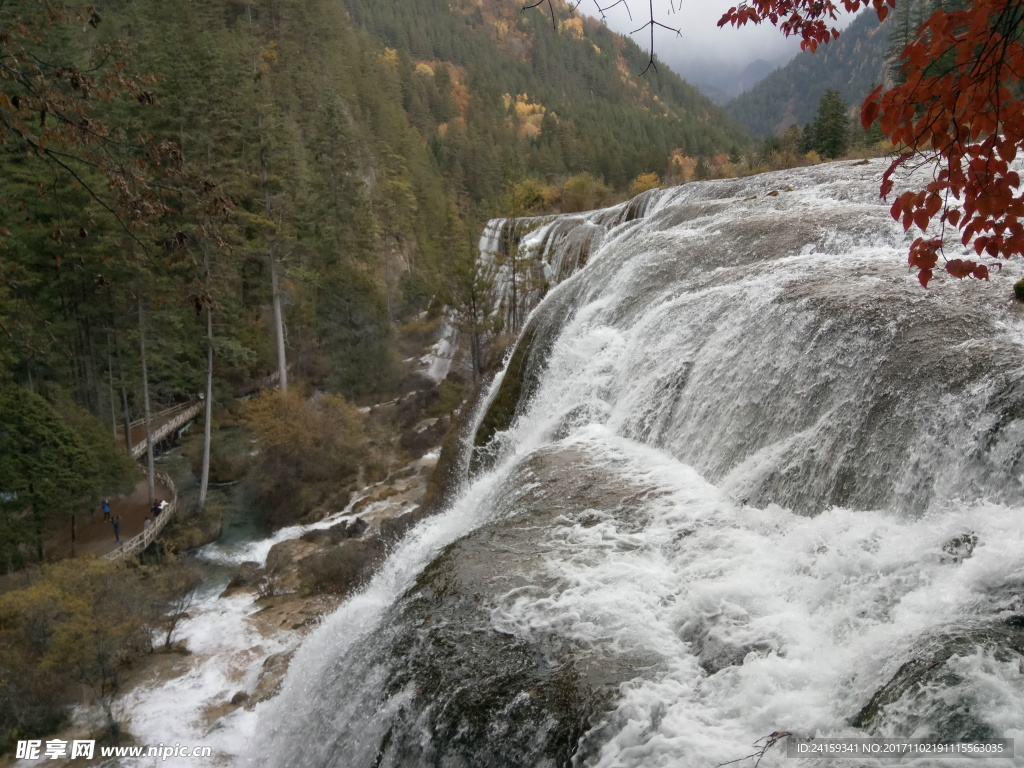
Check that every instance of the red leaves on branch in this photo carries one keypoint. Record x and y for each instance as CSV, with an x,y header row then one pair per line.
x,y
956,103
803,18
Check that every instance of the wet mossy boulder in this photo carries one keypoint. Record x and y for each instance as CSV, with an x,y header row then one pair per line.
x,y
1018,290
514,387
521,379
930,695
342,568
443,681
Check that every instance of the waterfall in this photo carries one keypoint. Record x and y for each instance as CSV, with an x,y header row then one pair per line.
x,y
741,475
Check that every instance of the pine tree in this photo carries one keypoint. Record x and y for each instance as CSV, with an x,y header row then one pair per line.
x,y
829,134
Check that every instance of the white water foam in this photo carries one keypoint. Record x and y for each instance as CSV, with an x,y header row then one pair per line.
x,y
825,605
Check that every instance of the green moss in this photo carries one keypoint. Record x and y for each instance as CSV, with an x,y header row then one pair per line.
x,y
1018,290
522,375
514,388
451,395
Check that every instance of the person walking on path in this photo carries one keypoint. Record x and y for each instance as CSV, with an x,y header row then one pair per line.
x,y
106,510
117,528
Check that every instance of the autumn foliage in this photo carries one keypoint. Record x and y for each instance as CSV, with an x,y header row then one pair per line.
x,y
958,106
303,442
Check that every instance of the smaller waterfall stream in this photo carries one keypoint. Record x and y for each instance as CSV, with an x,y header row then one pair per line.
x,y
747,476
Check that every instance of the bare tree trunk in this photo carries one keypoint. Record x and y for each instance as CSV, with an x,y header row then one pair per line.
x,y
110,386
94,372
282,363
282,360
204,479
147,414
126,413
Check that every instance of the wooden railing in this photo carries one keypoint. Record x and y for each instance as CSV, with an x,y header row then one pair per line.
x,y
136,544
177,417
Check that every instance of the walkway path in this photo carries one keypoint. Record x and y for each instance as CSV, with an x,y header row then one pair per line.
x,y
97,538
163,423
94,536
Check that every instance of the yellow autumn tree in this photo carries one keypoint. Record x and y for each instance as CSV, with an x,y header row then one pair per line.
x,y
302,441
682,169
584,192
644,182
82,621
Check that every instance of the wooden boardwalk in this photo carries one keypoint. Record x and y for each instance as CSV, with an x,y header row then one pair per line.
x,y
139,541
135,509
164,423
95,536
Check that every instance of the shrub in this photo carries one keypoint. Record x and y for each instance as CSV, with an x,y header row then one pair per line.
x,y
302,442
584,192
83,621
644,182
1018,290
451,396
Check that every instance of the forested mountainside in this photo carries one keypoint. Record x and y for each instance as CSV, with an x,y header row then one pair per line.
x,y
294,120
340,160
853,65
552,99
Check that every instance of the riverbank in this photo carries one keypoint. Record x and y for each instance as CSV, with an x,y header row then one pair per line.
x,y
258,601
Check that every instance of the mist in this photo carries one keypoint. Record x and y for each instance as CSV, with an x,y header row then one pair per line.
x,y
722,61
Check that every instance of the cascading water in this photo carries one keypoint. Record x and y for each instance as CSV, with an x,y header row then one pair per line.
x,y
742,474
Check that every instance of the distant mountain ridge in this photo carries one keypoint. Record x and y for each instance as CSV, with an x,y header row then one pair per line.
x,y
853,65
723,81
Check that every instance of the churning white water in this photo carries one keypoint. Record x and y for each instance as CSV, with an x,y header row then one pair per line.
x,y
741,475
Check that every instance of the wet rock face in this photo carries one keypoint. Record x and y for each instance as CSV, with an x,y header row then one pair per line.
x,y
930,695
271,676
486,698
284,563
521,378
246,576
514,388
441,682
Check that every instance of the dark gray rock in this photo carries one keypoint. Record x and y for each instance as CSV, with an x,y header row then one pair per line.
x,y
922,699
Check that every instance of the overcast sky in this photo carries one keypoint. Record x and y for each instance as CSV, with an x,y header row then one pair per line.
x,y
701,39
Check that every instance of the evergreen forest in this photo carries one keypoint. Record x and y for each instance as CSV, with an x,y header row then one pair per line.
x,y
229,188
852,65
